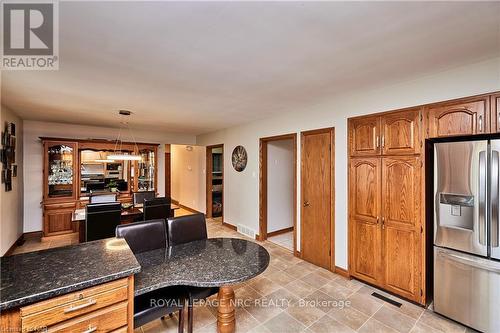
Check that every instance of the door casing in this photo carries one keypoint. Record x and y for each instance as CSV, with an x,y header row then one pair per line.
x,y
263,142
208,187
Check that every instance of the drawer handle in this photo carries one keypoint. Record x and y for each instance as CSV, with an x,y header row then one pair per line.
x,y
90,329
79,307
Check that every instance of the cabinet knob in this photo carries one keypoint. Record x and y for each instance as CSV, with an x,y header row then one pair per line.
x,y
306,203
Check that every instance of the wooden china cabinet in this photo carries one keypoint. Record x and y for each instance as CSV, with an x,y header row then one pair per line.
x,y
63,181
60,186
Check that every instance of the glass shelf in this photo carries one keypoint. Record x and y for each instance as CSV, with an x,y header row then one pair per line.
x,y
146,170
60,170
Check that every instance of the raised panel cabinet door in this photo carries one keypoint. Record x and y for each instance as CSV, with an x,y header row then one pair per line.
x,y
401,132
364,215
364,136
57,222
495,113
471,116
401,233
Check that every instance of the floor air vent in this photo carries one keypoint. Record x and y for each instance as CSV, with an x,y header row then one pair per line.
x,y
246,231
386,299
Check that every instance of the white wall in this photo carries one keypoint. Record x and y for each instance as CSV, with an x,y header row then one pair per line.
x,y
280,183
242,189
11,211
188,172
33,175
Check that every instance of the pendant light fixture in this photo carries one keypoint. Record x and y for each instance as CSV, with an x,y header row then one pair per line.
x,y
103,158
118,154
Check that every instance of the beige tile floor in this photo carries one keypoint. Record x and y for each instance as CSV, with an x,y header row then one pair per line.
x,y
295,296
290,286
285,240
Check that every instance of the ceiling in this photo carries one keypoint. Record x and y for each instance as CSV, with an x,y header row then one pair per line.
x,y
195,67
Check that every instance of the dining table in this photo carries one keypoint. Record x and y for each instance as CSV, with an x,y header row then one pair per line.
x,y
80,214
128,215
213,262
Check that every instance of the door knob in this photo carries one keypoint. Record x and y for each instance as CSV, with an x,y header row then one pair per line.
x,y
306,203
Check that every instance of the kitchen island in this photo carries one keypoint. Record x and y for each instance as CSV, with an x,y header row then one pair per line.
x,y
74,287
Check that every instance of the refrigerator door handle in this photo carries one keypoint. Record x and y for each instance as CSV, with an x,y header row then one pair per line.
x,y
482,197
494,198
490,266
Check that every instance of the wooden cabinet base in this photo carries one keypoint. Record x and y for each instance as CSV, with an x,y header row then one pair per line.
x,y
226,322
101,308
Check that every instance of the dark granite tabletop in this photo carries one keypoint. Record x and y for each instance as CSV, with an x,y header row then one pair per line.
x,y
35,276
207,263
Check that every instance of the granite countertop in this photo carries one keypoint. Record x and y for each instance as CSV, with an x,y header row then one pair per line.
x,y
212,262
35,276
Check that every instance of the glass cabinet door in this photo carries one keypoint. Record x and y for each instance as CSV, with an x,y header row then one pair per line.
x,y
60,169
146,170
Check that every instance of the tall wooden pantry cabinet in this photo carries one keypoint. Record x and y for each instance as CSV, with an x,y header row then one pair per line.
x,y
385,212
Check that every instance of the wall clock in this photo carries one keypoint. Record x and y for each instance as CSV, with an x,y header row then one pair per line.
x,y
239,158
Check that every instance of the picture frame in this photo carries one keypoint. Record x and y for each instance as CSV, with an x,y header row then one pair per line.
x,y
3,157
8,155
8,180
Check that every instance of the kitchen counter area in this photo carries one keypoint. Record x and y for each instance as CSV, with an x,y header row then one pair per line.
x,y
71,283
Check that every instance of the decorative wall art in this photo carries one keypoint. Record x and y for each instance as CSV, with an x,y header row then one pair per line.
x,y
239,158
8,155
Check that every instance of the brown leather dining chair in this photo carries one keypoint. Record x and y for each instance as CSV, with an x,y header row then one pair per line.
x,y
101,219
148,236
185,229
139,197
157,208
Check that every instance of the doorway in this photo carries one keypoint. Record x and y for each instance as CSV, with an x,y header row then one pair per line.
x,y
278,190
317,199
168,173
215,182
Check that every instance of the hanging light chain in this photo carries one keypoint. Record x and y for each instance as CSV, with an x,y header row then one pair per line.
x,y
118,149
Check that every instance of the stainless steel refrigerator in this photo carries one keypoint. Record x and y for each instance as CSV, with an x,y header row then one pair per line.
x,y
466,233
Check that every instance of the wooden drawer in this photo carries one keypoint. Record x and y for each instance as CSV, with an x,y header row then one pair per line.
x,y
63,205
121,330
59,309
104,320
